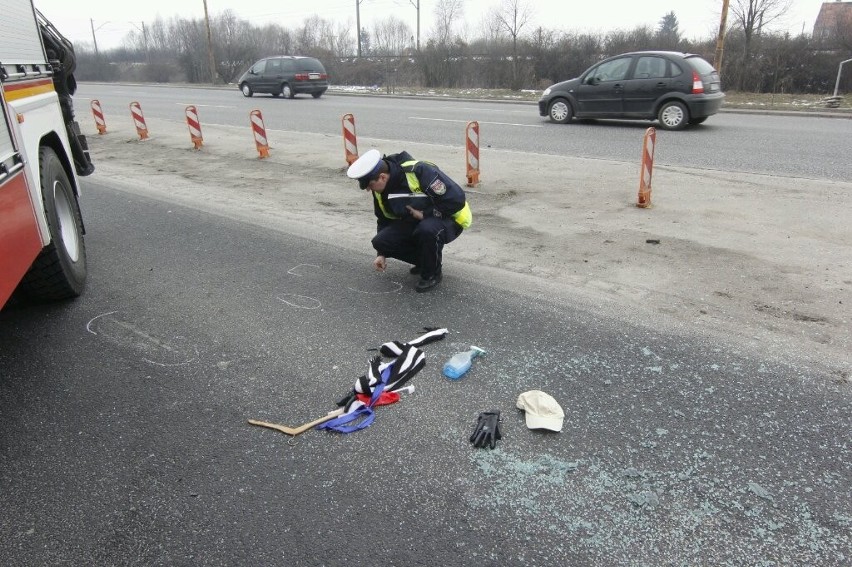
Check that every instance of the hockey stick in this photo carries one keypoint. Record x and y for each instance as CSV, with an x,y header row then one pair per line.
x,y
302,428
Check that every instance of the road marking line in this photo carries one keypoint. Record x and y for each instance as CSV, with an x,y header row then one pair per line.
x,y
480,121
204,105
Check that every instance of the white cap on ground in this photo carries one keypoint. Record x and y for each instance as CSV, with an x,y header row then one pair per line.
x,y
543,412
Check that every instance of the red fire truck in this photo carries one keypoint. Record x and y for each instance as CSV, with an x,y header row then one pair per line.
x,y
42,252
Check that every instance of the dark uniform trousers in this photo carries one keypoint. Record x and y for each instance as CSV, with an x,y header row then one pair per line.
x,y
419,243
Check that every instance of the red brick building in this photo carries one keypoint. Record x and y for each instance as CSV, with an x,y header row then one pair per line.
x,y
834,21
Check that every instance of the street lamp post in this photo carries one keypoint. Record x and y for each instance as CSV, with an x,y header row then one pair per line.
x,y
839,70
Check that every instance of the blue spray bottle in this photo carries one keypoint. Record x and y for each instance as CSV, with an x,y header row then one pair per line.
x,y
460,363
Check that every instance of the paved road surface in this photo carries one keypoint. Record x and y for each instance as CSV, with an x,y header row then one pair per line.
x,y
123,437
805,146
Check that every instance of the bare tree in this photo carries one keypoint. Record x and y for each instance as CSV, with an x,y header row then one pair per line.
x,y
753,16
391,36
447,14
512,17
234,50
272,39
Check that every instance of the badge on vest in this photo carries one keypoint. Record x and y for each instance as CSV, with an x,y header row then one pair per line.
x,y
438,187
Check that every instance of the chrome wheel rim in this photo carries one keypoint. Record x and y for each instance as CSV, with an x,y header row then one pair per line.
x,y
67,225
559,111
672,116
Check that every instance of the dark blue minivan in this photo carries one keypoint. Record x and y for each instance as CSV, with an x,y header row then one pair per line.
x,y
286,75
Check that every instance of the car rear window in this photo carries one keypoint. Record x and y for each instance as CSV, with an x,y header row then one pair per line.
x,y
702,66
310,64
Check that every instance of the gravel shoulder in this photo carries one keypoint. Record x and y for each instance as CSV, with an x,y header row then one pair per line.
x,y
762,262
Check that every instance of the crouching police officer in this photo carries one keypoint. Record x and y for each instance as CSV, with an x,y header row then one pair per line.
x,y
419,209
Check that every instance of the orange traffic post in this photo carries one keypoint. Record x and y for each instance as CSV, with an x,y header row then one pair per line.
x,y
194,126
350,141
472,153
139,120
259,131
98,113
648,144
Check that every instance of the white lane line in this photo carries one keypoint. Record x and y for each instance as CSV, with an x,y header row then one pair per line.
x,y
480,121
203,105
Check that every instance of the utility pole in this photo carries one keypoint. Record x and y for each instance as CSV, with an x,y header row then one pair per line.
x,y
416,4
213,74
94,39
145,38
358,24
720,40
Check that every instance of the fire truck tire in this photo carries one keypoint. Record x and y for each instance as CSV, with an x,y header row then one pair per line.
x,y
59,271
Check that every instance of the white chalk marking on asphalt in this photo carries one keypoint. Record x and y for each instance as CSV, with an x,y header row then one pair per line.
x,y
146,339
89,324
481,122
397,284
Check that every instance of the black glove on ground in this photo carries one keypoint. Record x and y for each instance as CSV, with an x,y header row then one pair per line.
x,y
487,430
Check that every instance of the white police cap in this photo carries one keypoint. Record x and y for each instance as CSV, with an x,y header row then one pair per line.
x,y
365,167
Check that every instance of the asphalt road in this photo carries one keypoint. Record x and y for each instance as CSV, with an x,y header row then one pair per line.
x,y
796,146
123,435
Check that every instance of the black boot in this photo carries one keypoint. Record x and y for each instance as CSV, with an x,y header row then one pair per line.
x,y
426,284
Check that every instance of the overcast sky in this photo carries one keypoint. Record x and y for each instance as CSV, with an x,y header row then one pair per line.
x,y
115,18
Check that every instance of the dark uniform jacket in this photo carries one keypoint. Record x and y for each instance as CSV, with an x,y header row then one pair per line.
x,y
423,186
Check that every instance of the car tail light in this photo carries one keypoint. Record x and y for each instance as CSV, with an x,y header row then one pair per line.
x,y
697,85
308,76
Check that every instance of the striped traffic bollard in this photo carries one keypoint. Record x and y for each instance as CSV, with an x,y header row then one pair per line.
x,y
648,144
194,126
350,141
100,123
139,120
472,153
259,131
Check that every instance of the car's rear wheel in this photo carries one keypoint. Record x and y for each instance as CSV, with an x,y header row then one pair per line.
x,y
694,121
673,115
246,90
560,111
287,91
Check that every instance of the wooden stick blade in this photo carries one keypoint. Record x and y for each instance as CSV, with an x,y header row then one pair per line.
x,y
297,430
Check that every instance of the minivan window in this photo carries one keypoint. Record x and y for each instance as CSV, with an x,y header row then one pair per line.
x,y
310,64
273,66
259,67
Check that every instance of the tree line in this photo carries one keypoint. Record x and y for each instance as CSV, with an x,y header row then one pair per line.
x,y
506,53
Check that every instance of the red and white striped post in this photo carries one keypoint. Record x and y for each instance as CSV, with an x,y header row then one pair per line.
x,y
139,120
472,153
350,141
100,123
648,145
194,126
259,131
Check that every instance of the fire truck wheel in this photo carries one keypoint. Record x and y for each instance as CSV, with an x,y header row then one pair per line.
x,y
59,272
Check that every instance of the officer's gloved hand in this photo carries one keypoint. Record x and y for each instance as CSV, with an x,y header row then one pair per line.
x,y
487,430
